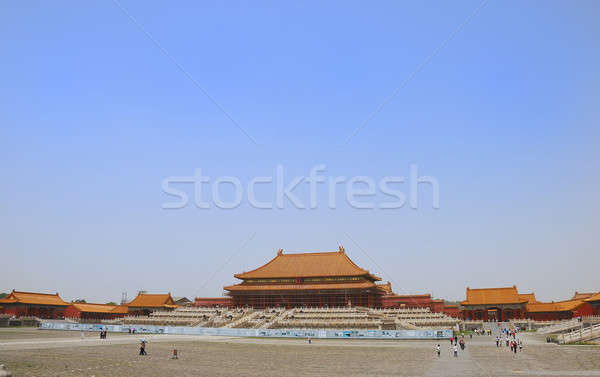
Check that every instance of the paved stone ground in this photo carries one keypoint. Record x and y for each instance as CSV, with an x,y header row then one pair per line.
x,y
38,353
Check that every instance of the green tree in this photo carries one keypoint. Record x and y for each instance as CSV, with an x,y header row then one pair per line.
x,y
80,300
2,295
111,303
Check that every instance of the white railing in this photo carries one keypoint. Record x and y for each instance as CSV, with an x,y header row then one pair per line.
x,y
583,334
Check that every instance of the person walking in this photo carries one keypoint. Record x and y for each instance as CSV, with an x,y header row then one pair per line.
x,y
143,347
437,348
520,345
455,350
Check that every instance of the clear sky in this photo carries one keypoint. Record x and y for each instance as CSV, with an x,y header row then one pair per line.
x,y
95,115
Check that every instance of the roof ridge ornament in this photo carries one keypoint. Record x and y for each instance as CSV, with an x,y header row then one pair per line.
x,y
341,249
280,252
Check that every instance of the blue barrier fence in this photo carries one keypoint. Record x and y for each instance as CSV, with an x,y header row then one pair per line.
x,y
266,333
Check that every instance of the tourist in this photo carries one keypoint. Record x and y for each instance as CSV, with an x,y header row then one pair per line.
x,y
143,347
497,341
455,350
82,335
520,345
451,340
309,340
438,350
515,347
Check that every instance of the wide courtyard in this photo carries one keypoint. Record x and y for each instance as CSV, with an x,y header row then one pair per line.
x,y
33,352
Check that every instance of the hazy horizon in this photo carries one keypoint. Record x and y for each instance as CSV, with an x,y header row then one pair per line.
x,y
103,102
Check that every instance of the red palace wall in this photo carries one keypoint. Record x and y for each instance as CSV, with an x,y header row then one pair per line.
x,y
71,312
49,312
585,310
211,302
452,311
550,316
411,301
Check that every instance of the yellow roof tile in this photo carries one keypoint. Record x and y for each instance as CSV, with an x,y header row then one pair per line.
x,y
334,263
493,296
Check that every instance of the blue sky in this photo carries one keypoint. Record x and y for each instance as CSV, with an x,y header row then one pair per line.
x,y
95,116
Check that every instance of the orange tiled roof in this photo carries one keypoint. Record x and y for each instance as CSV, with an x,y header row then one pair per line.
x,y
287,287
120,309
582,295
97,308
530,297
595,297
561,306
147,300
493,296
33,298
334,263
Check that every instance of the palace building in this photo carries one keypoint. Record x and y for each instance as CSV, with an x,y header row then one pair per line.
x,y
32,304
146,303
329,279
88,311
552,311
307,279
495,304
594,302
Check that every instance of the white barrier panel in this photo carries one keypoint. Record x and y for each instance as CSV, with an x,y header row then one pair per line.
x,y
274,333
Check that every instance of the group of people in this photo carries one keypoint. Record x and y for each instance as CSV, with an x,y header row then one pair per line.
x,y
513,343
438,349
454,343
103,334
482,332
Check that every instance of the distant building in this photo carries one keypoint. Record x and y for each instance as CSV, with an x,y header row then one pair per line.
x,y
41,305
87,311
182,301
213,302
594,302
502,304
494,304
551,311
146,303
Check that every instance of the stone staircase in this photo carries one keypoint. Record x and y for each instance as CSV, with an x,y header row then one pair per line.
x,y
242,319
